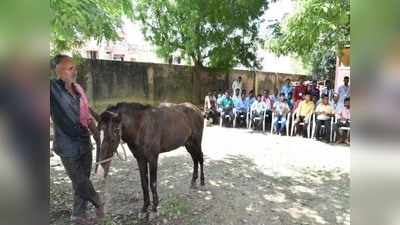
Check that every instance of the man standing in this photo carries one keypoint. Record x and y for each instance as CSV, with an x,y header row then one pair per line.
x,y
314,92
324,112
299,91
286,88
327,90
237,84
72,120
344,90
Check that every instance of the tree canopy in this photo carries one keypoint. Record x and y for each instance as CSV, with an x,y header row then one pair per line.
x,y
314,33
215,33
75,21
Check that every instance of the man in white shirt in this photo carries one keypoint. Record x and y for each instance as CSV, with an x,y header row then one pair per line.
x,y
237,84
257,110
324,112
281,109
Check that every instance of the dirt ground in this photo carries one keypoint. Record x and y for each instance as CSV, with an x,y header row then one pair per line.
x,y
251,178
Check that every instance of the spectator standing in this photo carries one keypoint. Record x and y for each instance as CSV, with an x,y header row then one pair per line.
x,y
286,88
314,91
299,91
328,90
344,90
237,84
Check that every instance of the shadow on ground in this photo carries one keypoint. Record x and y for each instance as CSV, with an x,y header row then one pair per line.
x,y
236,192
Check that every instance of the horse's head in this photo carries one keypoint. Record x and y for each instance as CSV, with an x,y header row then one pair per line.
x,y
110,126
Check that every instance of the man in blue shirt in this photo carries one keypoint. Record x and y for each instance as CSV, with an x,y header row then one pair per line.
x,y
251,98
72,137
286,88
236,97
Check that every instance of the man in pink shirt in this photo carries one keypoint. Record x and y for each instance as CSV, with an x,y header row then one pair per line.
x,y
343,120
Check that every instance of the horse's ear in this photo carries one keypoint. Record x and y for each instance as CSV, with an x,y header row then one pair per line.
x,y
117,118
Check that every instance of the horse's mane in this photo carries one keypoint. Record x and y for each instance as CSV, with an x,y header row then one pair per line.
x,y
124,107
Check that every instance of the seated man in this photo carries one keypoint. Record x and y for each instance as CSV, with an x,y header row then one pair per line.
x,y
236,97
281,109
324,112
290,101
250,98
343,120
210,107
268,102
257,108
220,99
227,106
242,108
304,112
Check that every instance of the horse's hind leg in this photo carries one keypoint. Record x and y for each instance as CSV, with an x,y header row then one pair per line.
x,y
144,180
201,161
192,152
153,182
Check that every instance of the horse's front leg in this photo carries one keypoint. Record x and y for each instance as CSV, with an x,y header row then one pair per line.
x,y
145,185
153,182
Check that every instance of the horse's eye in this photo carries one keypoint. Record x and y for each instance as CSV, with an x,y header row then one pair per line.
x,y
116,131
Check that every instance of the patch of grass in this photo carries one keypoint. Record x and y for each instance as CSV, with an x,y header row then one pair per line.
x,y
175,207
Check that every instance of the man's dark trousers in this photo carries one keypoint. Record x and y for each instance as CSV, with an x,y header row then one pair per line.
x,y
78,171
327,124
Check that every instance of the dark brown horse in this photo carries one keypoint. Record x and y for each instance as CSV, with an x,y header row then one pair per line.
x,y
149,131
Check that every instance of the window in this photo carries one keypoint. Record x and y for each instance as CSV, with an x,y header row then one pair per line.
x,y
119,57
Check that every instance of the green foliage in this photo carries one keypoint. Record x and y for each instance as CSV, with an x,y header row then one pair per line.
x,y
75,21
317,30
214,33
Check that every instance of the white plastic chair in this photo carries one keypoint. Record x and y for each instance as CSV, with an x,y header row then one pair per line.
x,y
236,117
224,116
257,118
288,116
294,127
341,128
314,127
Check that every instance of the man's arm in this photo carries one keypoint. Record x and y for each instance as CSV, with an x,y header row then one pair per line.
x,y
93,126
94,114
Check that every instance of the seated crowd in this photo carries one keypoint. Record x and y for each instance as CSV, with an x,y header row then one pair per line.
x,y
303,105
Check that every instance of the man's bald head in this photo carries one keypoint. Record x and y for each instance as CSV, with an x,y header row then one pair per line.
x,y
64,67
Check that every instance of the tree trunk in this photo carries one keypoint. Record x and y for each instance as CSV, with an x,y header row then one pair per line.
x,y
196,83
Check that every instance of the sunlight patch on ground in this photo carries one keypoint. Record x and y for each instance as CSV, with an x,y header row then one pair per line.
x,y
277,197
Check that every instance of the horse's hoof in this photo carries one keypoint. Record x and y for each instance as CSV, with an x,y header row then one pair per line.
x,y
143,215
193,186
144,209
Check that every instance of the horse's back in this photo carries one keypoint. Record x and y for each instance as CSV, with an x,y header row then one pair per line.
x,y
193,115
